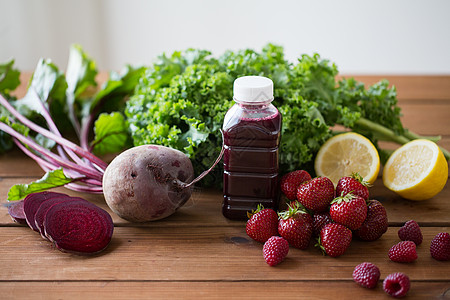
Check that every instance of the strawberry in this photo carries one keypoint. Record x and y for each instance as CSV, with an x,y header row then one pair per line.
x,y
275,250
334,239
396,284
316,194
366,275
349,210
411,232
296,226
291,181
440,246
375,224
321,219
404,251
354,184
263,224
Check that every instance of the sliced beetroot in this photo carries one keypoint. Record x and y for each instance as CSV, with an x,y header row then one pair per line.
x,y
15,210
39,216
78,227
32,202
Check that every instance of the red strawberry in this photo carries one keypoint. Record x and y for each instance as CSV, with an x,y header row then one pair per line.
x,y
335,239
354,184
440,246
404,251
321,219
296,226
263,224
349,210
411,232
396,284
291,181
366,275
275,250
316,194
375,224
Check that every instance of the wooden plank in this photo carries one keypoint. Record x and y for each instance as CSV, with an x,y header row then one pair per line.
x,y
204,207
199,254
427,119
412,87
16,164
431,212
212,290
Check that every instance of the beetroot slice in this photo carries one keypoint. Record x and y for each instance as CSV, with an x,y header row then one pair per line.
x,y
44,207
32,202
78,227
15,210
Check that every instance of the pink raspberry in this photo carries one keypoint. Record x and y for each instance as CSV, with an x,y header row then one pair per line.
x,y
403,252
411,232
396,284
440,246
275,250
366,275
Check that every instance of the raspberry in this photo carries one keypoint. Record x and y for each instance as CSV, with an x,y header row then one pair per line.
x,y
440,246
403,252
396,284
366,275
275,250
411,232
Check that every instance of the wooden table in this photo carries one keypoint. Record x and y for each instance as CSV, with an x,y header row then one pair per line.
x,y
197,253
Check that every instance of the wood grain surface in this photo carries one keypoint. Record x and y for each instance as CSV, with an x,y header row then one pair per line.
x,y
198,254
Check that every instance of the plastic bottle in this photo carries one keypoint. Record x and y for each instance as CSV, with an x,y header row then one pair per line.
x,y
251,131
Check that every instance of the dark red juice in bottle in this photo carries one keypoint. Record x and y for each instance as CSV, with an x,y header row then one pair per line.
x,y
251,137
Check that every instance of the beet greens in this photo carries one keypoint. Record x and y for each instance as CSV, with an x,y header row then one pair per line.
x,y
34,122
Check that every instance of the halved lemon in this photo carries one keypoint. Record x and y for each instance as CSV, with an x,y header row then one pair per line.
x,y
345,154
416,171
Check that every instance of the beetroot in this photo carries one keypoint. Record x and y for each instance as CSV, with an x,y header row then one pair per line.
x,y
71,223
31,204
15,210
148,182
45,206
78,227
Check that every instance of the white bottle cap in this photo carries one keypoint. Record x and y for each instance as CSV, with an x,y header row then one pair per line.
x,y
253,89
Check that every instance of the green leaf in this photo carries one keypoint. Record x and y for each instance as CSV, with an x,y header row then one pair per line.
x,y
47,84
118,86
111,134
48,81
80,74
9,77
50,180
81,71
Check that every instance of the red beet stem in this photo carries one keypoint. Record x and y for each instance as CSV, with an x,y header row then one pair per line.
x,y
58,139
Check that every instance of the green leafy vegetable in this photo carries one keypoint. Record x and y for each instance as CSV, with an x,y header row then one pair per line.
x,y
49,180
9,77
55,100
111,133
181,101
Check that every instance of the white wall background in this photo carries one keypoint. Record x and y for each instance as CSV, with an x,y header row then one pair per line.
x,y
373,36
